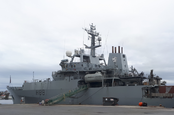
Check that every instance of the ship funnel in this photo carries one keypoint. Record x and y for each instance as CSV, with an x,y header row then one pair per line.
x,y
122,50
118,49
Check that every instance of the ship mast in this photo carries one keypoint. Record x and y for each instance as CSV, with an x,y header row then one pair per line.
x,y
93,37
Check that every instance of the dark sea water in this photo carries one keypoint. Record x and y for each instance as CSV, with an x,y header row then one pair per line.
x,y
6,101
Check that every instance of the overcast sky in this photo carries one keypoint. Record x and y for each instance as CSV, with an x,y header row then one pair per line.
x,y
35,34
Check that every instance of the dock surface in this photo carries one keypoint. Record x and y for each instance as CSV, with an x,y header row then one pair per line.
x,y
35,109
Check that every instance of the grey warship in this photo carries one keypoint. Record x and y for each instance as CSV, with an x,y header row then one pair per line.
x,y
111,79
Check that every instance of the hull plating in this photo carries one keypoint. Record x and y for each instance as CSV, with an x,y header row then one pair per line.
x,y
128,95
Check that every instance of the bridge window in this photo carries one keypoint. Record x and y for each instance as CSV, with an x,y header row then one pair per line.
x,y
86,59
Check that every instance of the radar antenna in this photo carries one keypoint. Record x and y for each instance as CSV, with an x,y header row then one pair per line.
x,y
93,37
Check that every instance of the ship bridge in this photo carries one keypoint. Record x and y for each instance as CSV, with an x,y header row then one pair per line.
x,y
85,61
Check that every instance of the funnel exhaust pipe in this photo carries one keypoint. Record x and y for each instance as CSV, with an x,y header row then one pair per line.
x,y
122,50
118,49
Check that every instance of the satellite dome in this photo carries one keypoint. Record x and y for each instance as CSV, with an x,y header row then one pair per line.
x,y
99,38
68,53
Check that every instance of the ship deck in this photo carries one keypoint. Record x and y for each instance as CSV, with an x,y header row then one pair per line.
x,y
29,109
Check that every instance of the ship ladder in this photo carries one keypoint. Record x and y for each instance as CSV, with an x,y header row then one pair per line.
x,y
57,99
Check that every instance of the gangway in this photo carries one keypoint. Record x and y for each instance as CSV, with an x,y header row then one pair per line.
x,y
57,99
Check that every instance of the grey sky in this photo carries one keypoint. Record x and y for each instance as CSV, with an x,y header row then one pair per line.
x,y
35,34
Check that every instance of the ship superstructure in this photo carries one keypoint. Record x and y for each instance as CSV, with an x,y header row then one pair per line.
x,y
93,69
112,79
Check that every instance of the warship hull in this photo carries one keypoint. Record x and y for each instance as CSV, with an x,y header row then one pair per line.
x,y
127,95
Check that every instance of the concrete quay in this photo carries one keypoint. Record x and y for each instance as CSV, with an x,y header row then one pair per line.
x,y
35,109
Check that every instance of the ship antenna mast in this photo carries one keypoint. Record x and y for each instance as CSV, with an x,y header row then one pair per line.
x,y
93,37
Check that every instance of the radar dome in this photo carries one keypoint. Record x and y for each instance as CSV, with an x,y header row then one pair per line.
x,y
99,38
68,53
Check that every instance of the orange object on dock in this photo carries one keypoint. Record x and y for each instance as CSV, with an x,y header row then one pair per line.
x,y
140,103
